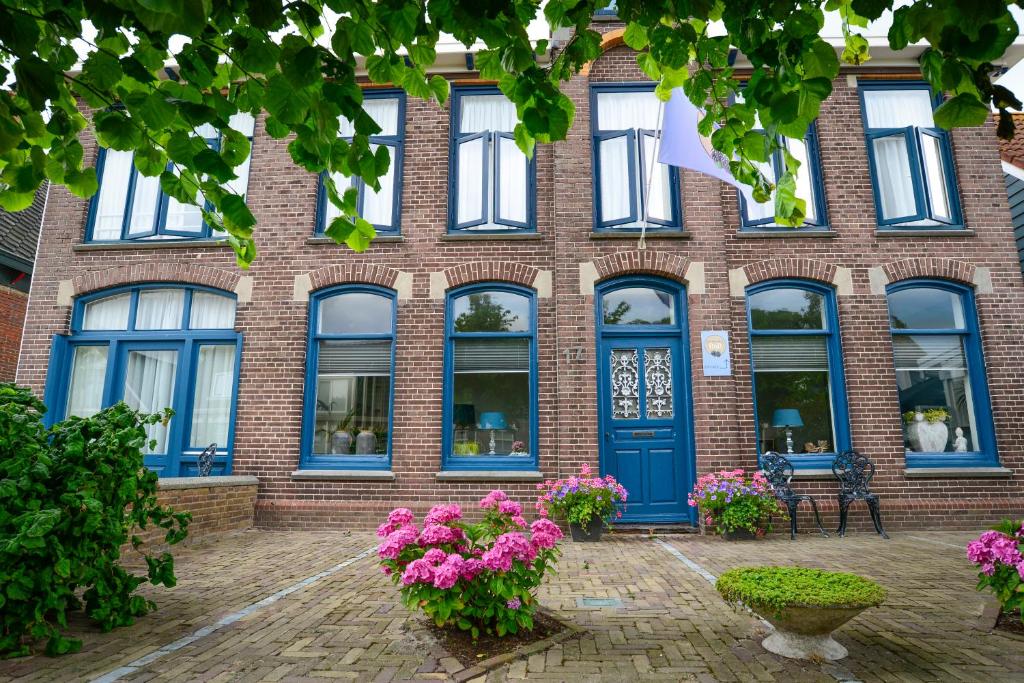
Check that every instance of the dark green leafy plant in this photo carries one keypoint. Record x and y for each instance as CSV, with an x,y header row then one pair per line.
x,y
776,588
70,497
297,62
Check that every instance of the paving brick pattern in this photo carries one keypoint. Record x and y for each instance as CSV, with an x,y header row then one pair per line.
x,y
672,625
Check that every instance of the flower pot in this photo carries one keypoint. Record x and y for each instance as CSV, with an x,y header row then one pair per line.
x,y
591,532
927,437
740,535
806,632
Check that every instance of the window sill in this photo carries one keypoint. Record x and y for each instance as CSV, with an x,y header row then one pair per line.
x,y
813,474
482,236
343,475
490,475
635,235
379,239
948,232
151,244
179,483
784,233
958,473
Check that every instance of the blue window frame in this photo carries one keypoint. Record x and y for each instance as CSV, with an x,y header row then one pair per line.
x,y
610,10
492,188
809,187
624,123
940,375
912,172
382,209
797,371
347,413
130,206
154,346
490,386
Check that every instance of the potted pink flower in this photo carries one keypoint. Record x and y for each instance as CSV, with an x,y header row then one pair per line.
x,y
588,503
738,508
999,553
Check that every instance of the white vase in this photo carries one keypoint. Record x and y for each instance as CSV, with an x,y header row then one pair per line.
x,y
927,437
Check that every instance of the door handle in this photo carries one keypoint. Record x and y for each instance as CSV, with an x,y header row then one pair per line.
x,y
607,436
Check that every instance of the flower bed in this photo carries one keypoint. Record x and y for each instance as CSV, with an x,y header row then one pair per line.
x,y
1000,555
582,499
478,578
731,504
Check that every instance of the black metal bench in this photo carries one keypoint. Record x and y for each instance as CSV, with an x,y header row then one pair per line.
x,y
778,470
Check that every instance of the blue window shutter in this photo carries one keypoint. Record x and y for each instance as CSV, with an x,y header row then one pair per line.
x,y
600,141
483,141
57,379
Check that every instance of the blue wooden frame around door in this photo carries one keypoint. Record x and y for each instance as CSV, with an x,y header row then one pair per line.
x,y
659,490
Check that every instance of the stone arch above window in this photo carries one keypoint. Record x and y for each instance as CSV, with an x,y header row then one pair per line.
x,y
353,273
931,267
171,272
803,268
483,271
639,261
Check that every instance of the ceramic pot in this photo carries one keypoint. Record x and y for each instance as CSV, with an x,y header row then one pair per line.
x,y
366,443
589,533
341,442
927,437
806,632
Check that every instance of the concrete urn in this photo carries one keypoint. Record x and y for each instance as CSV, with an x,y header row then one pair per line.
x,y
805,632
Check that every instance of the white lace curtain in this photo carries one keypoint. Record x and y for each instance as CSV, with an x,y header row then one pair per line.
x,y
896,109
211,408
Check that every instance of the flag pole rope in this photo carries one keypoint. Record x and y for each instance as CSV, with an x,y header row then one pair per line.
x,y
650,174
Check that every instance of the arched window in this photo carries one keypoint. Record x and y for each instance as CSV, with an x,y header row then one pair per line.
x,y
349,379
796,363
490,388
940,375
155,347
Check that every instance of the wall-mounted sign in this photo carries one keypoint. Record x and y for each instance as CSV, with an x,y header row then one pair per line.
x,y
714,345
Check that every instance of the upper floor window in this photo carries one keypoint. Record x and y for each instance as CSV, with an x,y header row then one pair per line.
x,y
796,359
490,405
381,207
911,159
131,206
809,187
350,367
492,181
940,375
625,125
154,347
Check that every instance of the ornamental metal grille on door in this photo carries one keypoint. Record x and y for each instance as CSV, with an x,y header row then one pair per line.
x,y
625,380
658,380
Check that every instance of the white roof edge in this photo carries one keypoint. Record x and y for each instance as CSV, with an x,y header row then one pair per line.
x,y
1010,169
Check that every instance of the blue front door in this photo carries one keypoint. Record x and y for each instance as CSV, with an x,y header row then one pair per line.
x,y
645,414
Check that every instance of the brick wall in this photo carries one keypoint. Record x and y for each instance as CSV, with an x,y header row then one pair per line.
x,y
274,324
12,318
225,504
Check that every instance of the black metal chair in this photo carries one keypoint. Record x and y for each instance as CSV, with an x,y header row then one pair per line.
x,y
778,470
206,460
854,472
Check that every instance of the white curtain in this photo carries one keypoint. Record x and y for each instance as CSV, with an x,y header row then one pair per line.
x,y
211,411
471,203
88,373
384,111
625,110
211,312
512,181
110,313
935,176
660,195
159,309
895,183
149,387
898,108
613,154
378,207
145,204
481,113
117,169
341,183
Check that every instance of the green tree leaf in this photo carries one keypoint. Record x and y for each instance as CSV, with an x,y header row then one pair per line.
x,y
961,111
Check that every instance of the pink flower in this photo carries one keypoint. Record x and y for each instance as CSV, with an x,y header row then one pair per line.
x,y
546,526
442,514
471,567
585,469
396,542
493,498
438,535
418,571
510,508
435,556
1020,570
397,518
506,548
447,574
519,521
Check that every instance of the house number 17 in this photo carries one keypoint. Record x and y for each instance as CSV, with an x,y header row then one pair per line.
x,y
574,353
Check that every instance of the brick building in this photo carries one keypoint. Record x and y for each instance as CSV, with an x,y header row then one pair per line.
x,y
19,233
507,326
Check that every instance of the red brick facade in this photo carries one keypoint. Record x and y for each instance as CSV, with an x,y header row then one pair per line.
x,y
12,317
853,257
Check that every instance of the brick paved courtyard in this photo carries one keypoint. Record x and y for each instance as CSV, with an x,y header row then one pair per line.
x,y
671,625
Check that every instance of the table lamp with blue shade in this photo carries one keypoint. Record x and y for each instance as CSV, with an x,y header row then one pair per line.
x,y
492,421
787,418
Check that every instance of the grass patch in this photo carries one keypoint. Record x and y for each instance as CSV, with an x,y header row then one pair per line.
x,y
780,587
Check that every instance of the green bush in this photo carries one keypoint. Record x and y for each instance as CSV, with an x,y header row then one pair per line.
x,y
776,588
70,497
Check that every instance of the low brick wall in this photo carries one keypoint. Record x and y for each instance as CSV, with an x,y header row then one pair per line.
x,y
217,504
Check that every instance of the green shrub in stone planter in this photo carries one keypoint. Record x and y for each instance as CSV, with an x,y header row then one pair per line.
x,y
804,605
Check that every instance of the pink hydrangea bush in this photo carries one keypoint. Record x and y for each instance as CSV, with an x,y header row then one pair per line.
x,y
1000,555
478,577
581,498
729,502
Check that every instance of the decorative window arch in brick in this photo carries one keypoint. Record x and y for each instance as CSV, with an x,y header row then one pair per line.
x,y
491,271
931,267
353,273
139,273
642,261
802,268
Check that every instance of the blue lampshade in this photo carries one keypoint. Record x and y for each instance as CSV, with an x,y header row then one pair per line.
x,y
787,417
492,421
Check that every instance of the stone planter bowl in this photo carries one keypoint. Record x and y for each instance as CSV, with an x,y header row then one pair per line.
x,y
806,632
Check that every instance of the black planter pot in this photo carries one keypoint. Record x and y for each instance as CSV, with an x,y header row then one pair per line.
x,y
589,533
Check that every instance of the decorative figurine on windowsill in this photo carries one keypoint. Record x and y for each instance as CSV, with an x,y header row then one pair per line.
x,y
518,448
960,442
820,447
